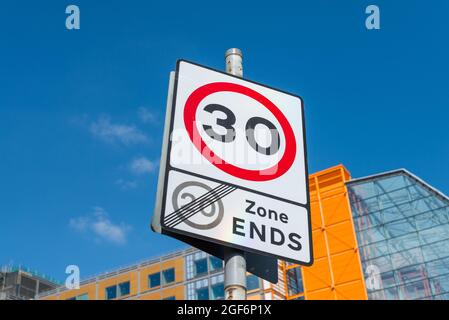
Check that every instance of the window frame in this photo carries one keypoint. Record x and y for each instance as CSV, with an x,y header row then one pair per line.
x,y
119,289
199,289
149,280
212,294
197,274
106,295
163,280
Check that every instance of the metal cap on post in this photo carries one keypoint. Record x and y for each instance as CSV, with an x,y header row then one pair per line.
x,y
234,59
235,261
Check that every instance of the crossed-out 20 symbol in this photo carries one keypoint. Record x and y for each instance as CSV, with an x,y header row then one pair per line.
x,y
209,198
227,123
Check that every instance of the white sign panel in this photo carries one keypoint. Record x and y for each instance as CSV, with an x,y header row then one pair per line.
x,y
236,171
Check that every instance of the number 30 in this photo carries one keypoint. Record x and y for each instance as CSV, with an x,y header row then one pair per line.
x,y
229,122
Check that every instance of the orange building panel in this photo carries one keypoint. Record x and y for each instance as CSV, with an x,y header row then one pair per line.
x,y
336,272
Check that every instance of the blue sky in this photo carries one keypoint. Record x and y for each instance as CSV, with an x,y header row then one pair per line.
x,y
81,112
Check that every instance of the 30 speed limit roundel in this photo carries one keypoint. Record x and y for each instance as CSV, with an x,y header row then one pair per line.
x,y
234,172
273,172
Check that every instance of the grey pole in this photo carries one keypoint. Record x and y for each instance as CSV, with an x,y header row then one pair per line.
x,y
234,65
235,262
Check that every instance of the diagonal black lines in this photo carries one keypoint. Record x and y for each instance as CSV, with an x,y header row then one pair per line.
x,y
194,211
190,204
199,204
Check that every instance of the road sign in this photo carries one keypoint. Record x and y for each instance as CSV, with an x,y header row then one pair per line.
x,y
264,267
235,171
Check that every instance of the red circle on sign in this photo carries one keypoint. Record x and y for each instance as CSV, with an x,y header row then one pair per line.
x,y
254,175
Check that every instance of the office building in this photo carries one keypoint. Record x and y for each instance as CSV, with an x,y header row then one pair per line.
x,y
19,283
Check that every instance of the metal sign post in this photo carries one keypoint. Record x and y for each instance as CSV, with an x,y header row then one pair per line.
x,y
235,261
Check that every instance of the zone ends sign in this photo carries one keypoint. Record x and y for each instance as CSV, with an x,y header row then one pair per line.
x,y
234,165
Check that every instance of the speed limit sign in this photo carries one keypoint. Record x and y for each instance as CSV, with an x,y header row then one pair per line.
x,y
235,170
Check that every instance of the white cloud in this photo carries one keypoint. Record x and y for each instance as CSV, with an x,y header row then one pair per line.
x,y
99,224
112,133
126,185
79,224
146,116
143,166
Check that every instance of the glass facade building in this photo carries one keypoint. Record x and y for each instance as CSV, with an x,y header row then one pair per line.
x,y
402,227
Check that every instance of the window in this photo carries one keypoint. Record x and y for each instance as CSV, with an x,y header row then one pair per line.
x,y
202,293
124,289
154,280
111,292
294,281
196,264
80,297
116,291
168,276
170,298
199,289
217,287
215,263
252,282
201,266
415,290
387,279
217,291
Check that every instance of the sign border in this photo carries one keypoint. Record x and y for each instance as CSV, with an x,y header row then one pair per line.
x,y
168,168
